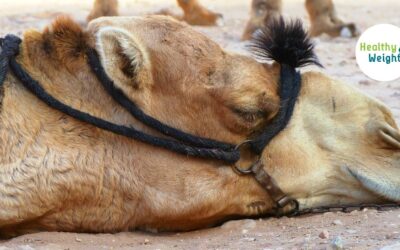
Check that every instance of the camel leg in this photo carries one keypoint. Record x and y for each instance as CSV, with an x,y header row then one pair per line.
x,y
196,14
21,199
324,19
262,12
31,191
103,8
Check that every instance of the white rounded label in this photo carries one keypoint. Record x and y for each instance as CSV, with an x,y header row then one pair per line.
x,y
378,52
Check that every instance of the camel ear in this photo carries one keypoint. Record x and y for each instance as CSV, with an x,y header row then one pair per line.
x,y
124,58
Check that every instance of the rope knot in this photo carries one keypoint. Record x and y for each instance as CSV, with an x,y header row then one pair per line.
x,y
10,46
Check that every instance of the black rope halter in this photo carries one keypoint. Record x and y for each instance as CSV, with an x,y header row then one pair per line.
x,y
178,141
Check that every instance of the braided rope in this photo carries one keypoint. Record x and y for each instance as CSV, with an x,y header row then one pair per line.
x,y
289,89
10,47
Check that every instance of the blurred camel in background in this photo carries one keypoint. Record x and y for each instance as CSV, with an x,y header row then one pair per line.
x,y
193,12
322,15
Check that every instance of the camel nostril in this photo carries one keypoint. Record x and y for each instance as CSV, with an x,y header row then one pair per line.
x,y
390,135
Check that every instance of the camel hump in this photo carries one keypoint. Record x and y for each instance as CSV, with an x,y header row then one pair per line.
x,y
286,42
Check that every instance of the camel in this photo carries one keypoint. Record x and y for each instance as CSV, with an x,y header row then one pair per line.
x,y
322,13
340,147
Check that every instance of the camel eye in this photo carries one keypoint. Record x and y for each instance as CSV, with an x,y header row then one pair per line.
x,y
249,115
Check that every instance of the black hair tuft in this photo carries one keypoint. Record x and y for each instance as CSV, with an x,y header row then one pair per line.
x,y
284,42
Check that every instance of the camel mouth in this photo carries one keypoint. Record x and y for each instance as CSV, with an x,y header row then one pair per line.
x,y
385,185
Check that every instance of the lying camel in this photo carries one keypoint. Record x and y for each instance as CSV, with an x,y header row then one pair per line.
x,y
322,15
340,147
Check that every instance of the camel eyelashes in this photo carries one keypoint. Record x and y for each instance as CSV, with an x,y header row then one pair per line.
x,y
249,115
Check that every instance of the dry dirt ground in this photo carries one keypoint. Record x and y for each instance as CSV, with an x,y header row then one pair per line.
x,y
358,230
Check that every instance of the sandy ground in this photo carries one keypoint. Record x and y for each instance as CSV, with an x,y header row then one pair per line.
x,y
358,230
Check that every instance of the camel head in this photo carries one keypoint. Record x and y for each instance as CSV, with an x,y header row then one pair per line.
x,y
183,78
341,146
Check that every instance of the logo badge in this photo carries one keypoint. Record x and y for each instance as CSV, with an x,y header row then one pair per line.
x,y
378,52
